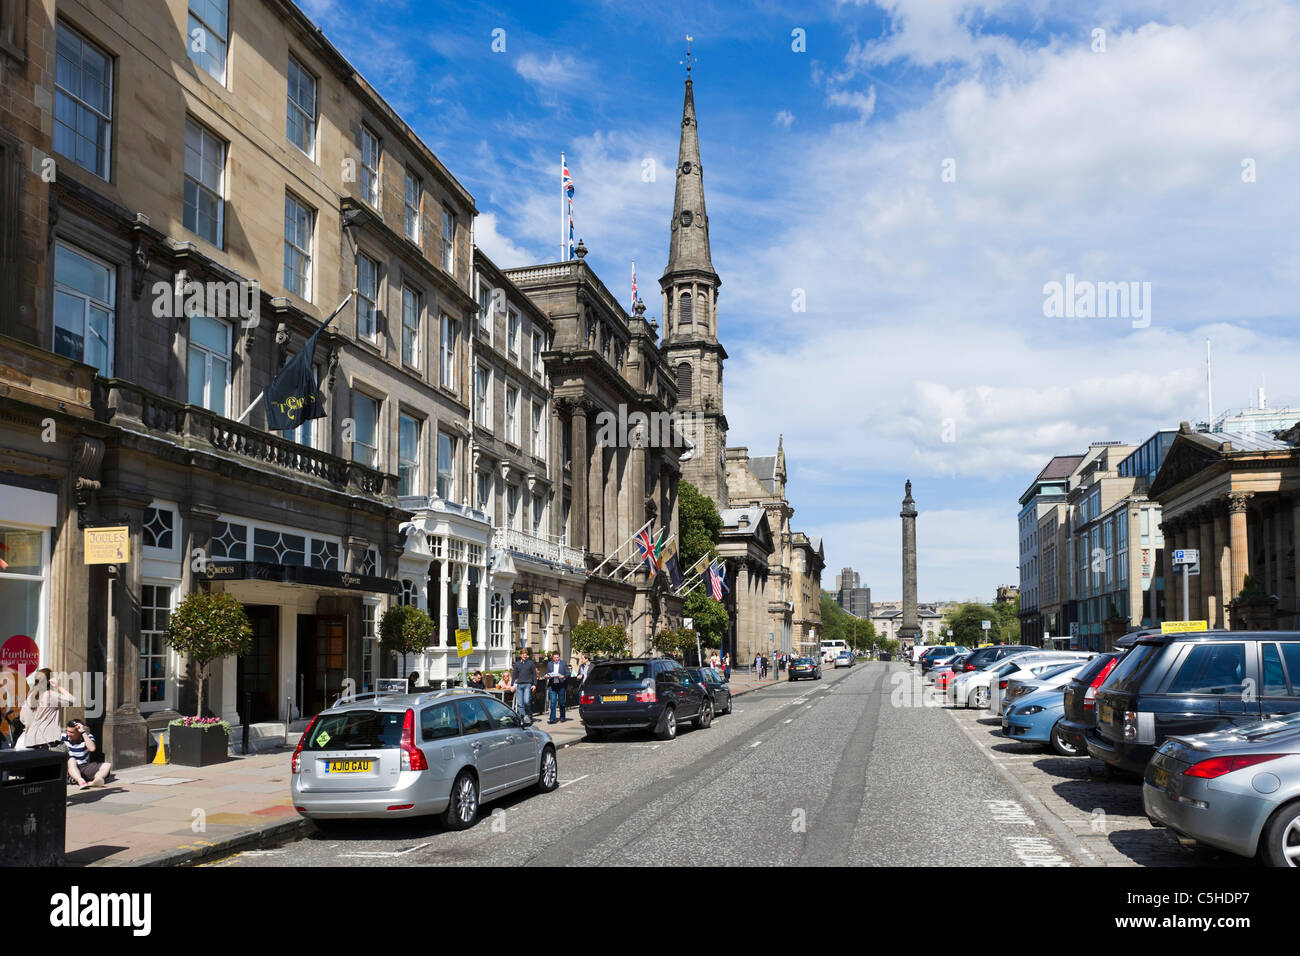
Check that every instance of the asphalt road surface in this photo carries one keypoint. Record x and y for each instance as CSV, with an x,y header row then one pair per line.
x,y
847,770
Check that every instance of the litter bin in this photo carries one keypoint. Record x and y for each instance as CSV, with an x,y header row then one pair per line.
x,y
33,807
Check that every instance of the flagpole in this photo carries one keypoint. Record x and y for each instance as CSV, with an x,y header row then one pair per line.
x,y
621,547
253,403
564,232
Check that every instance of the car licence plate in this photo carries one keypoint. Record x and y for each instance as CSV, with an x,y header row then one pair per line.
x,y
1160,777
1107,713
348,766
613,698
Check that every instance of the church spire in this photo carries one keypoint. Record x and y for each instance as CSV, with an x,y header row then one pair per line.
x,y
689,248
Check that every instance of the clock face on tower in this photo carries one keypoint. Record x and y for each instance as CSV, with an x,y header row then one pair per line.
x,y
687,218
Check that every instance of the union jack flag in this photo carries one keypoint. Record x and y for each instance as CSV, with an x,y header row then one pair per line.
x,y
633,309
567,187
647,545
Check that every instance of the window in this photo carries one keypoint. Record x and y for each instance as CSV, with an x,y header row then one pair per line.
x,y
438,723
365,428
1274,676
539,509
684,382
449,241
205,163
408,455
512,507
538,368
83,309
207,32
370,167
446,466
503,718
409,598
370,563
367,297
483,491
473,718
229,541
539,436
367,646
155,607
157,529
512,414
685,317
301,109
209,364
325,554
1218,669
498,638
298,222
484,315
412,205
279,547
482,396
410,326
512,335
83,101
448,366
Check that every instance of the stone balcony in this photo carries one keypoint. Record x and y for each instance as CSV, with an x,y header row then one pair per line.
x,y
533,546
135,409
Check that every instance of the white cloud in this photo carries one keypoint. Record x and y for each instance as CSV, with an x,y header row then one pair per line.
x,y
488,237
784,119
863,103
548,74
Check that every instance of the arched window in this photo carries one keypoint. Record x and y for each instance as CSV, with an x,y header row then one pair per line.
x,y
498,620
684,313
684,382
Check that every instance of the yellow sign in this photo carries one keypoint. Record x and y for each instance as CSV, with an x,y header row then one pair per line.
x,y
1183,627
464,643
108,545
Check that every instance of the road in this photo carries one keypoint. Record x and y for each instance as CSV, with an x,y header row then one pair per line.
x,y
839,771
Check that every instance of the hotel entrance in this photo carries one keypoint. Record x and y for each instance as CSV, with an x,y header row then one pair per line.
x,y
258,670
322,660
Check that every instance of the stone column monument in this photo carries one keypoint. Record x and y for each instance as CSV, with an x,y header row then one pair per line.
x,y
910,631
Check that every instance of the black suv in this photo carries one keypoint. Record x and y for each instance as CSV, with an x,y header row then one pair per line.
x,y
985,656
1192,683
654,694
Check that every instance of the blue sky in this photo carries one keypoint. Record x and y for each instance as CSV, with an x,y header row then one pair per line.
x,y
924,350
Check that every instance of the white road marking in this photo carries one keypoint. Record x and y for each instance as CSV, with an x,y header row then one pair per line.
x,y
390,853
574,780
1036,851
756,743
788,720
1008,811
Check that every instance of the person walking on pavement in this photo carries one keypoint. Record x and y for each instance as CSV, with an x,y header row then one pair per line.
x,y
557,681
524,675
40,712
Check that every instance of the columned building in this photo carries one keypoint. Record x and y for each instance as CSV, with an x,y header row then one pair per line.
x,y
1233,497
760,482
809,562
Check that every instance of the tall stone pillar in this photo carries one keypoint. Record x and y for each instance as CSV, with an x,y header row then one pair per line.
x,y
1209,563
596,500
1266,538
1193,541
1222,566
610,516
124,736
1238,541
910,631
578,467
1167,568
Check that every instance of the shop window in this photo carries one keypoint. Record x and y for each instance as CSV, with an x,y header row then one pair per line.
x,y
22,581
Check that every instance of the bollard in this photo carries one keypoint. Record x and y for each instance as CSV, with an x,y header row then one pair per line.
x,y
247,715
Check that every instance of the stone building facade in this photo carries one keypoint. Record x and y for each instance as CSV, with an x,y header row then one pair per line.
x,y
806,575
760,482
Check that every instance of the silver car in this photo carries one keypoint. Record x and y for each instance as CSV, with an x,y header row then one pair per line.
x,y
1236,789
405,755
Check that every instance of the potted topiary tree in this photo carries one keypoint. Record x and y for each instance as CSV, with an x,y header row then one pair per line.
x,y
208,627
406,629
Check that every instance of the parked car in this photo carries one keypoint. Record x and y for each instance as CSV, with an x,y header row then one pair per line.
x,y
1236,789
940,653
715,684
1054,677
974,689
649,693
1173,685
1031,718
844,659
984,656
805,667
1079,703
444,752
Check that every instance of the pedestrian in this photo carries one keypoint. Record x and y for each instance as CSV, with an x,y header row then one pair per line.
x,y
726,665
584,668
758,659
40,712
413,681
557,681
81,743
11,683
524,676
476,680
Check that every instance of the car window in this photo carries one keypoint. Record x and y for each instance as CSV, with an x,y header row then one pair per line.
x,y
1052,670
673,675
1127,675
1007,668
438,722
357,730
1211,669
1274,675
694,675
502,717
1291,654
473,717
1093,668
613,673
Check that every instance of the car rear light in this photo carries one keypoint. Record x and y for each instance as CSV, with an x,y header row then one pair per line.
x,y
647,696
1218,766
295,764
967,667
412,756
1089,697
1130,725
1002,685
402,806
587,699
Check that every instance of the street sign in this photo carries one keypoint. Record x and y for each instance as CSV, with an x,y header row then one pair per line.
x,y
1183,627
984,624
108,545
1187,556
688,623
464,643
462,617
392,685
1074,629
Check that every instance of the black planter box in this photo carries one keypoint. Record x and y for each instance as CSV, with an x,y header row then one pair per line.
x,y
197,746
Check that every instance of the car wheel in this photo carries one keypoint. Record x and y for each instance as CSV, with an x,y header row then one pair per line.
x,y
595,734
705,717
1060,745
549,778
462,809
1280,844
981,695
329,824
667,727
730,704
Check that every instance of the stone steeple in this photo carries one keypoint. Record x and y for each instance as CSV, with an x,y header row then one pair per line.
x,y
910,630
690,309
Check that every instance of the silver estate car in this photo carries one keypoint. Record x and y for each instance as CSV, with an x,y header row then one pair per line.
x,y
405,755
1236,789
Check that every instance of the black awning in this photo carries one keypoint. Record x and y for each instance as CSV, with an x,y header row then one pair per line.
x,y
220,570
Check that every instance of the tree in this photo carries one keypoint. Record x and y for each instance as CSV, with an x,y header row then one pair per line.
x,y
710,617
699,525
965,620
406,629
209,627
596,641
674,642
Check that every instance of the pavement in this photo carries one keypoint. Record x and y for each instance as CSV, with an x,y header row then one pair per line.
x,y
175,816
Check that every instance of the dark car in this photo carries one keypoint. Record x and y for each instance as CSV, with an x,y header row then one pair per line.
x,y
938,654
717,686
1192,683
805,667
1069,736
985,656
652,694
